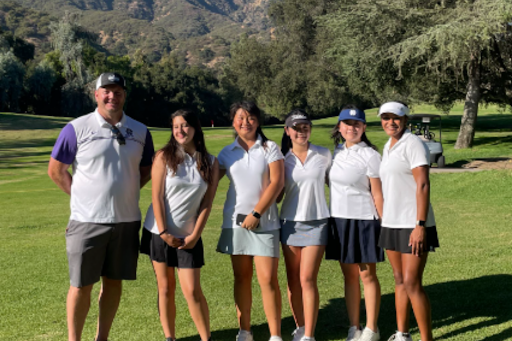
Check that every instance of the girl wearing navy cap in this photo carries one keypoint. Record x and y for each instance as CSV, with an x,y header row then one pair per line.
x,y
408,223
356,205
304,219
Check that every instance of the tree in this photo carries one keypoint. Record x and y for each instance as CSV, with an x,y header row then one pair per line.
x,y
68,38
428,49
12,72
291,70
39,87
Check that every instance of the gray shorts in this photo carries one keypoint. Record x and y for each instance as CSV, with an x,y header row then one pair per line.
x,y
96,250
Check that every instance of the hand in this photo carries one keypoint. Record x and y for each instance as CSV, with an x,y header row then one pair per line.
x,y
171,240
189,242
250,222
417,240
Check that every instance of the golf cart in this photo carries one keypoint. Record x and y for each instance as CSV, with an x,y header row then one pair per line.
x,y
419,125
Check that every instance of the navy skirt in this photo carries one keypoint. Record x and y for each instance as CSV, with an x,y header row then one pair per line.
x,y
398,239
353,241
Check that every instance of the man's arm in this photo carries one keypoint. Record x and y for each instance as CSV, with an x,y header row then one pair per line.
x,y
58,172
147,160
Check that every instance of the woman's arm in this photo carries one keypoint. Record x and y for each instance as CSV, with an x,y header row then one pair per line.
x,y
204,210
158,173
418,235
378,198
270,194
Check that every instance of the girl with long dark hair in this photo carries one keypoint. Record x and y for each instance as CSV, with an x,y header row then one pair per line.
x,y
250,228
184,182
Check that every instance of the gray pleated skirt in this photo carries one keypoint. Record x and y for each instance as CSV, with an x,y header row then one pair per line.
x,y
240,241
304,233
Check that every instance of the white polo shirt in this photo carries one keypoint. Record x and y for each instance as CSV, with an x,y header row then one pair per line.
x,y
184,192
249,176
106,175
349,179
304,198
398,185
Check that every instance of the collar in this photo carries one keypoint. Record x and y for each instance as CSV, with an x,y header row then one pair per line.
x,y
312,149
407,133
354,148
236,144
104,124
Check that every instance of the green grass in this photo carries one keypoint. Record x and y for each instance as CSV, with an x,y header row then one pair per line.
x,y
468,279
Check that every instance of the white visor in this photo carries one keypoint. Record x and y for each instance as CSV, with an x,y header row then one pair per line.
x,y
394,108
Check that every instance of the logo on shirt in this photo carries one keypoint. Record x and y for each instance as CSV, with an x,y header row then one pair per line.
x,y
353,112
129,132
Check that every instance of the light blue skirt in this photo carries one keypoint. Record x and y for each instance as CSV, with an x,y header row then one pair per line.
x,y
304,233
240,241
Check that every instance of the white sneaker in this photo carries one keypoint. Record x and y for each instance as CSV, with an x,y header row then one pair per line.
x,y
244,335
307,338
369,335
354,333
275,338
399,336
298,333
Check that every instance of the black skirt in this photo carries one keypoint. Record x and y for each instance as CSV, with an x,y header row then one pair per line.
x,y
398,239
159,251
354,241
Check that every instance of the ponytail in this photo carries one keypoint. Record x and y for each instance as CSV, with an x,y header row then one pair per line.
x,y
286,143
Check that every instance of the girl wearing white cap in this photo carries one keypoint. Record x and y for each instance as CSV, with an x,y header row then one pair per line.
x,y
185,179
304,220
408,224
250,228
356,205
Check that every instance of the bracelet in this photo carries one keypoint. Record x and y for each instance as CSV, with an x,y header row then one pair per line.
x,y
164,231
256,214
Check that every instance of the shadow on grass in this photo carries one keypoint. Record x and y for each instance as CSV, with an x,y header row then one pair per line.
x,y
455,302
21,122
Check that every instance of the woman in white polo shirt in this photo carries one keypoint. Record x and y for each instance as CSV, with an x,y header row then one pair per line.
x,y
408,224
356,206
250,228
304,220
184,181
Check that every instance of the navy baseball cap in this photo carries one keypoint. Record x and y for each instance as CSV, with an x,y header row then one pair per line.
x,y
110,78
352,114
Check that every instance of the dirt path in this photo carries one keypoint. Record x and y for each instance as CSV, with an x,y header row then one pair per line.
x,y
477,165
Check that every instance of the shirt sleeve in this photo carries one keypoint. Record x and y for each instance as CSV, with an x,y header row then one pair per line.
x,y
148,152
418,154
373,167
273,153
65,147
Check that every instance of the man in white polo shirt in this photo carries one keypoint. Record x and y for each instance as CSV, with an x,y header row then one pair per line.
x,y
111,156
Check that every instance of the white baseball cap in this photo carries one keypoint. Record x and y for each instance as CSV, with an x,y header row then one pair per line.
x,y
396,108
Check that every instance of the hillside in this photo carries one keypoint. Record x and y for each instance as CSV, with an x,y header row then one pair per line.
x,y
200,30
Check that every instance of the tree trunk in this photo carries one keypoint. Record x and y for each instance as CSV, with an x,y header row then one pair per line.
x,y
473,95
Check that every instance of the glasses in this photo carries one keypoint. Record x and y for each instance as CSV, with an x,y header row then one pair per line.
x,y
119,137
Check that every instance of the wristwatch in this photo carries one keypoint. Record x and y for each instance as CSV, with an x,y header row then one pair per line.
x,y
421,223
256,214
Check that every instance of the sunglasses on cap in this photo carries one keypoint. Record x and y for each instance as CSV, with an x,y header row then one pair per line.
x,y
119,137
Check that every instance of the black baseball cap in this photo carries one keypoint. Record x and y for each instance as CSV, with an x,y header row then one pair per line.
x,y
110,78
298,118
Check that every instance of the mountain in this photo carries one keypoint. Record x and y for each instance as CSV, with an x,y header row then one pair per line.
x,y
200,30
